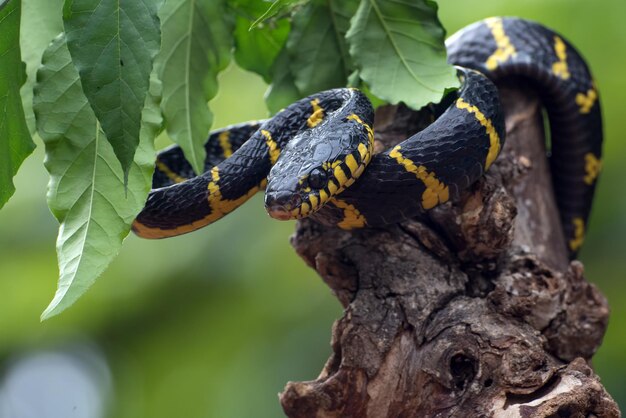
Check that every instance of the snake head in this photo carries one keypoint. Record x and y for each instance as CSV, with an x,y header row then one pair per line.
x,y
316,165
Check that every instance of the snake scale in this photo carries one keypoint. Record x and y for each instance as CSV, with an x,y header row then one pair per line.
x,y
315,158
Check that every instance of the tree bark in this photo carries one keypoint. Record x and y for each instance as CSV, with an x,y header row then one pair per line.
x,y
474,312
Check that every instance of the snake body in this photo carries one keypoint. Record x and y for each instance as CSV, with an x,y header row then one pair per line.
x,y
315,158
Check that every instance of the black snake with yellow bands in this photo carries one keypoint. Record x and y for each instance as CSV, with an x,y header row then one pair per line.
x,y
315,158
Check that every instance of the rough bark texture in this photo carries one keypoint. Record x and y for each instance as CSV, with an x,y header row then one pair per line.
x,y
476,312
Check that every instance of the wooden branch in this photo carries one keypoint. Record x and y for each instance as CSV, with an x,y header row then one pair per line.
x,y
474,313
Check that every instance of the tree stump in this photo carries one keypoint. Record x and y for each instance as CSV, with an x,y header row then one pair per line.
x,y
474,312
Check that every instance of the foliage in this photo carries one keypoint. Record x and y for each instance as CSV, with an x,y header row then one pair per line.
x,y
196,46
86,191
113,44
15,141
98,116
383,48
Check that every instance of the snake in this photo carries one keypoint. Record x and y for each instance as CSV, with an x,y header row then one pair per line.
x,y
315,158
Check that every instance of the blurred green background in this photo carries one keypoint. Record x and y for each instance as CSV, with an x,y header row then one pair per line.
x,y
213,324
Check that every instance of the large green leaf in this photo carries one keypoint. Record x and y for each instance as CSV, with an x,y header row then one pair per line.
x,y
277,6
15,141
42,21
86,191
256,49
283,90
113,44
398,47
197,38
317,45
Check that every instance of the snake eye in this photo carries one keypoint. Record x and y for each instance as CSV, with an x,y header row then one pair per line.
x,y
317,178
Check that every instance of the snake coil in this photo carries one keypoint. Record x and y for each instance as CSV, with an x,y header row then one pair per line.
x,y
315,158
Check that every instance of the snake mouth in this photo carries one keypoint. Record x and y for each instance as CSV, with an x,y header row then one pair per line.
x,y
280,214
282,204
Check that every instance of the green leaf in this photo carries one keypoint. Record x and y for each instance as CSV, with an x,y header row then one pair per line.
x,y
276,7
398,46
197,38
15,141
113,44
86,190
42,21
355,81
283,90
317,45
257,49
